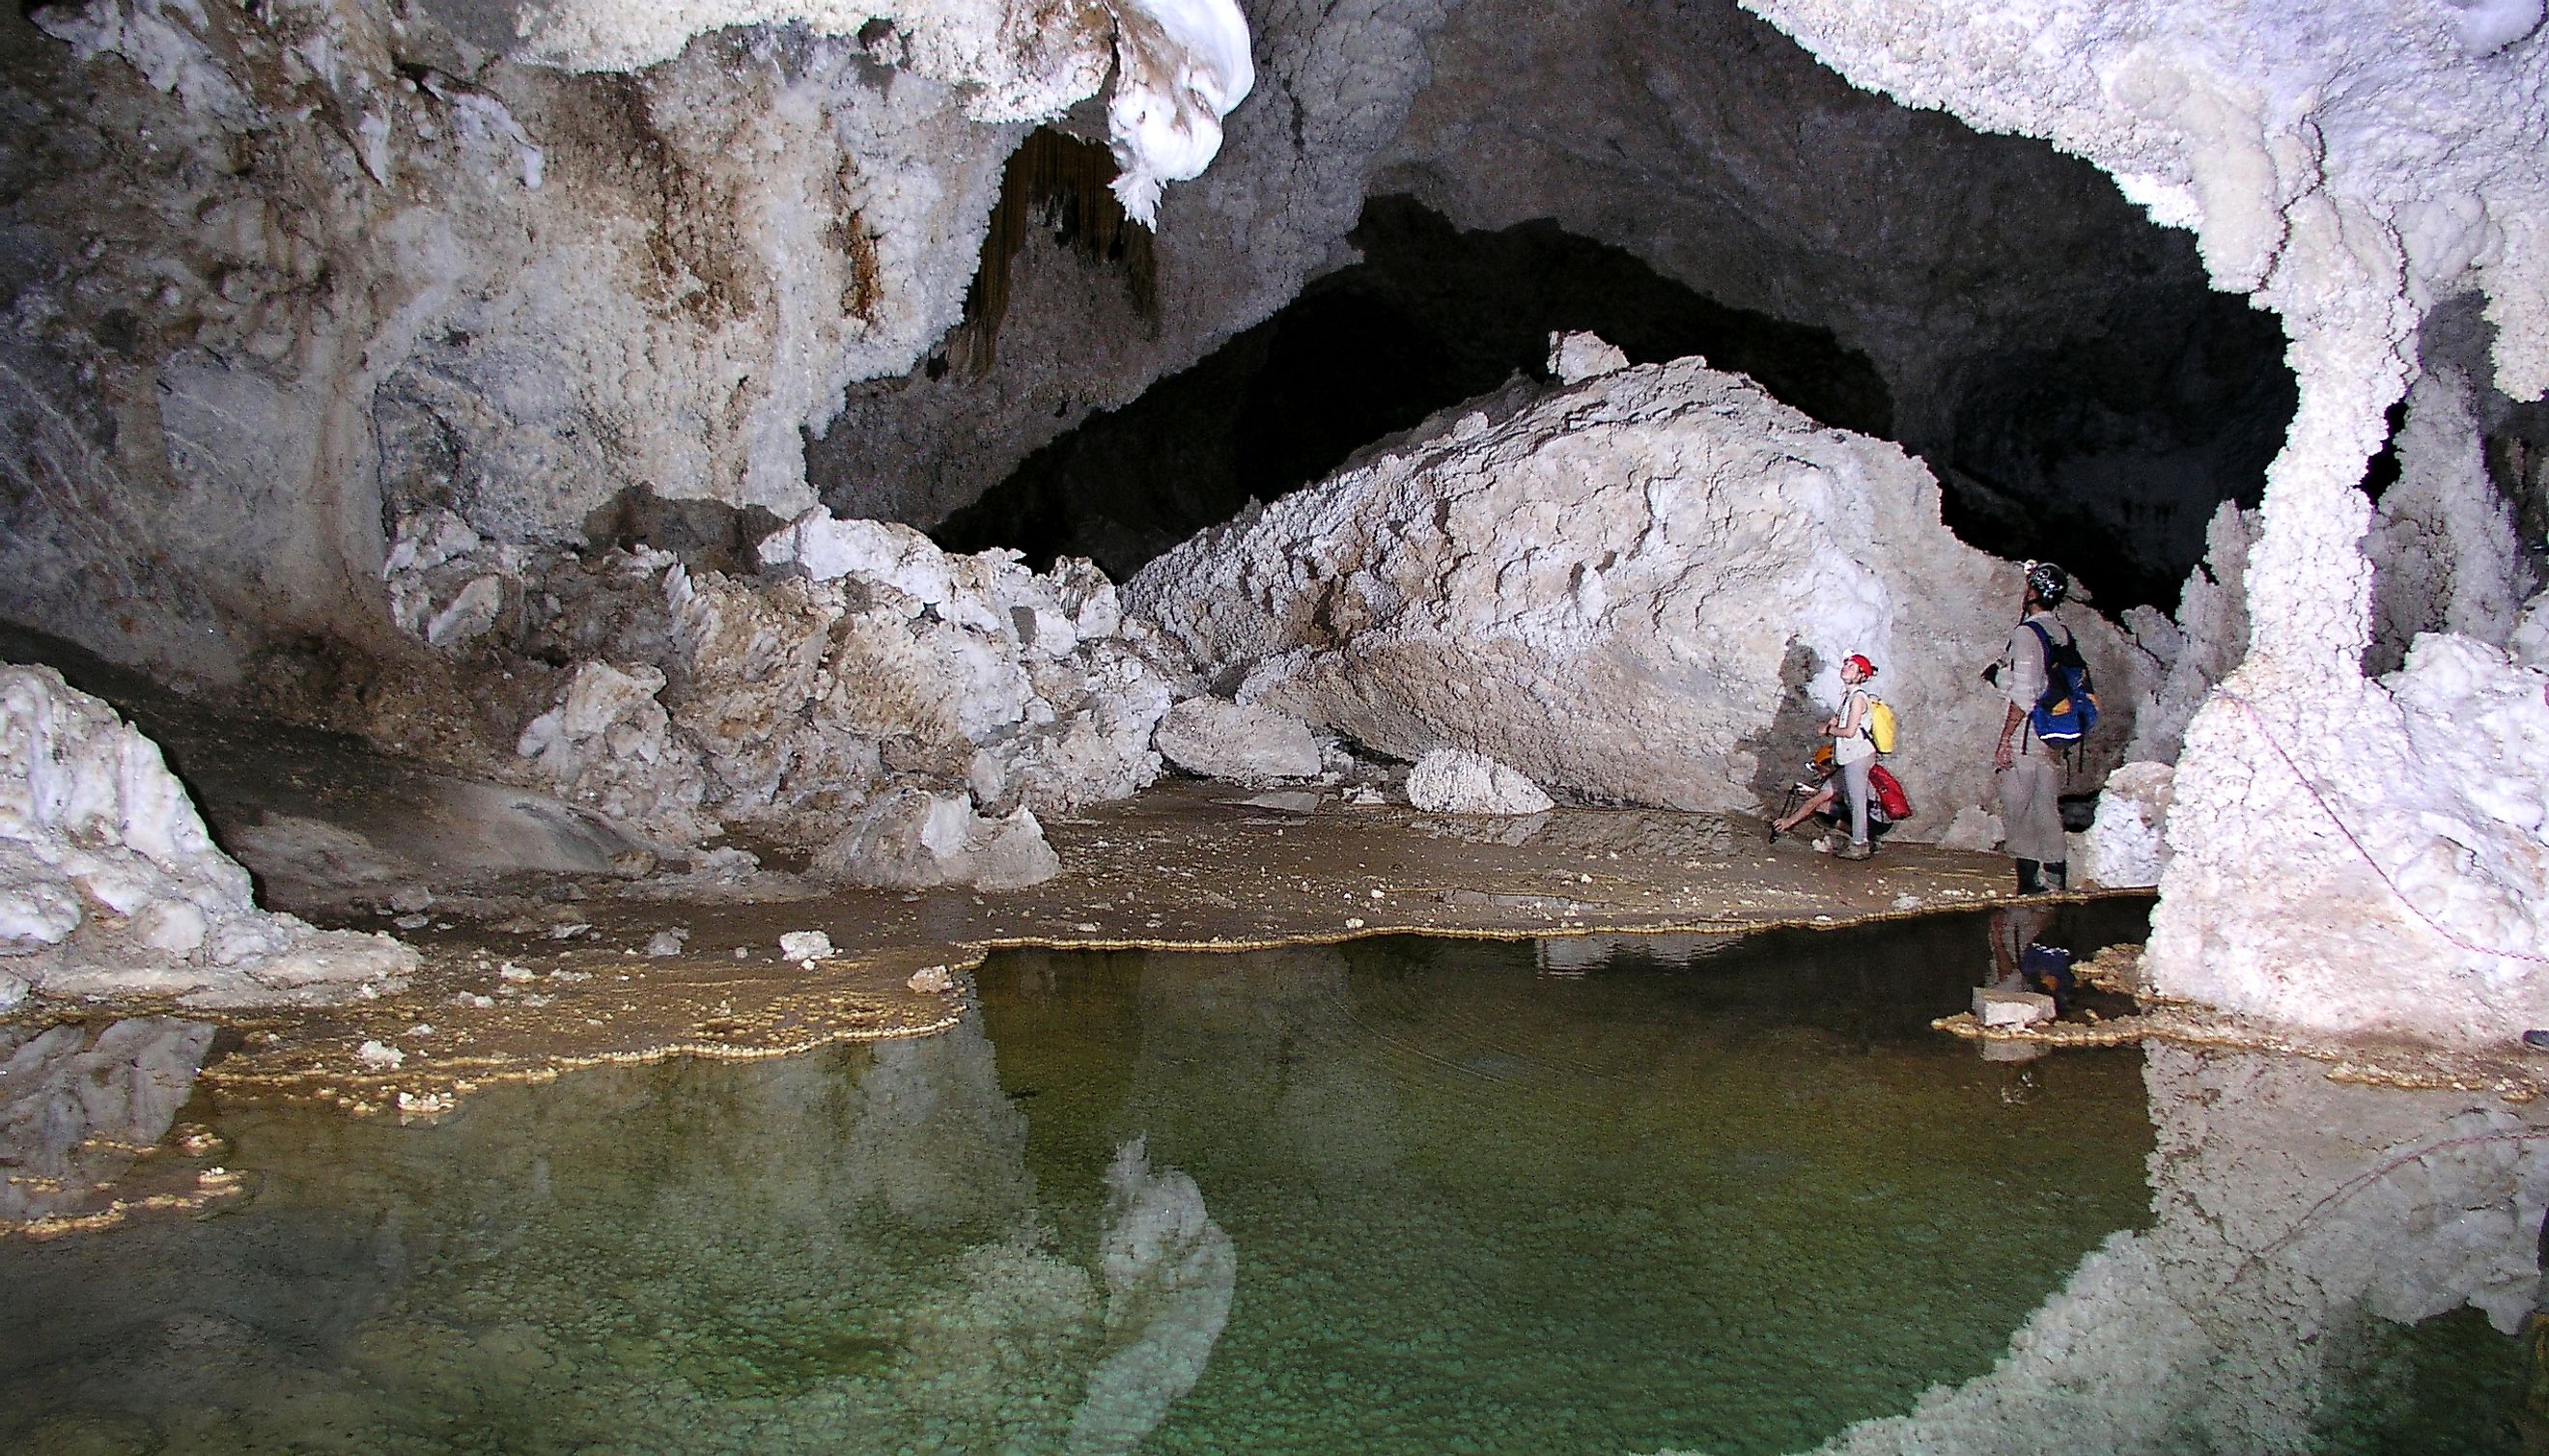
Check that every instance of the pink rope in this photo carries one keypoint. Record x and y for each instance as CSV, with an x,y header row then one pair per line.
x,y
2268,734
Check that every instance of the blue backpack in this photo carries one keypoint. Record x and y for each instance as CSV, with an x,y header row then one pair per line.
x,y
2048,969
2068,706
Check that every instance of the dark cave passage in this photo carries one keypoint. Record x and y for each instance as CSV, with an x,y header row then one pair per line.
x,y
2108,449
1431,317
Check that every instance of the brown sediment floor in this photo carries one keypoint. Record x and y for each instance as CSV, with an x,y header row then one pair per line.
x,y
534,974
529,972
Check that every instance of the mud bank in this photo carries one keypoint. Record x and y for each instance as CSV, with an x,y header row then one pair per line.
x,y
533,974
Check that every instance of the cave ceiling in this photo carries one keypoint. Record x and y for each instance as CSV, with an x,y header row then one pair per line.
x,y
2059,359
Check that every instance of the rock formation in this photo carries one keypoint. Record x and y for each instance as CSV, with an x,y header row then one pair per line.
x,y
291,271
1458,781
850,661
2353,211
2052,358
110,885
2442,548
1247,744
1624,592
334,336
2295,1218
913,839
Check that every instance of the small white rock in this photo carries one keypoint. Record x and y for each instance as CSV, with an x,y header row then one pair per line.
x,y
666,942
931,981
2012,1008
804,946
379,1057
1456,781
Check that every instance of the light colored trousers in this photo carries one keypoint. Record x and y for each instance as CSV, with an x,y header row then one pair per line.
x,y
2030,808
1853,786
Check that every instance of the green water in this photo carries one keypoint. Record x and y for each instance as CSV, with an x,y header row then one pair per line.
x,y
1402,1195
1734,1205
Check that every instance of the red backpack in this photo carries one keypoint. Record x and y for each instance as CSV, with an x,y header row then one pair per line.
x,y
1889,793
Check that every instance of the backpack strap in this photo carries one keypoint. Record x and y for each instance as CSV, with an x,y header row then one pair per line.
x,y
2053,685
2045,640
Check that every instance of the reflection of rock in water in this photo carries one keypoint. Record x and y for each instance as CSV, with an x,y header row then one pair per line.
x,y
1169,1273
936,1139
1573,955
78,1106
2292,1211
1280,1028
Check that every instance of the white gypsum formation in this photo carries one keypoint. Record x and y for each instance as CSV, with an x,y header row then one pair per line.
x,y
2352,165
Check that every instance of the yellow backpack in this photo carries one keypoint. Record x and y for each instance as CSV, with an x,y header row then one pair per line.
x,y
1880,724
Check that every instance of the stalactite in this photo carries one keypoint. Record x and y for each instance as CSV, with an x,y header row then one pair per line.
x,y
1058,181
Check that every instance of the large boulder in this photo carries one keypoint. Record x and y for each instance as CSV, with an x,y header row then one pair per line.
x,y
859,660
1638,590
1458,781
915,839
109,885
1216,738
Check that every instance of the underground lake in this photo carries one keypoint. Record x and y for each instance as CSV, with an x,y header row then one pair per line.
x,y
1402,1195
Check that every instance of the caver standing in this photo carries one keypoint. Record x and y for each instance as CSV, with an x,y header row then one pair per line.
x,y
1854,754
2031,769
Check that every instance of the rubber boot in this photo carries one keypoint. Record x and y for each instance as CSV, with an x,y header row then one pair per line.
x,y
2057,876
2028,881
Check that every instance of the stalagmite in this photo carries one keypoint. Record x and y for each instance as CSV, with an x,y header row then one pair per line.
x,y
2442,548
2304,807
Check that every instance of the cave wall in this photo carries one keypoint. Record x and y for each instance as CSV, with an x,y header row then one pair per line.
x,y
1429,316
2058,360
277,278
1232,246
2346,855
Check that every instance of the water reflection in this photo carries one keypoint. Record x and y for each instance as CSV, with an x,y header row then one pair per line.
x,y
1726,1187
837,1252
1697,1193
79,1107
1169,1273
2301,1223
1576,955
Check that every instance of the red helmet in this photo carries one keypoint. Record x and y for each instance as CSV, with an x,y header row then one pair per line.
x,y
1865,667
